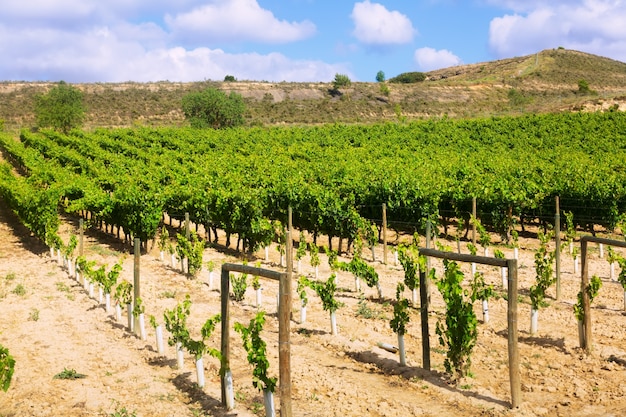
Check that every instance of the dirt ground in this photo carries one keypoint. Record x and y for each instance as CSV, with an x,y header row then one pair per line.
x,y
49,324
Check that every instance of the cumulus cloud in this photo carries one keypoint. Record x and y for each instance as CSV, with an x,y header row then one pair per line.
x,y
115,41
375,25
102,55
237,20
428,59
595,26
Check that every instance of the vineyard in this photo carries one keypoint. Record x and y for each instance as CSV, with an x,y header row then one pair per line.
x,y
342,183
333,177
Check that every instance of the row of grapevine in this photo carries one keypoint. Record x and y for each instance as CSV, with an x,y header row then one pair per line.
x,y
336,176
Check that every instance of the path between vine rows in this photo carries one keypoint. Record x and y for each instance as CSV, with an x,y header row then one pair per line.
x,y
55,325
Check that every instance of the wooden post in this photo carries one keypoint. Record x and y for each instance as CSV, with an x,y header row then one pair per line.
x,y
584,283
474,225
81,227
385,233
511,265
225,360
557,253
187,232
424,317
136,283
428,263
514,361
284,313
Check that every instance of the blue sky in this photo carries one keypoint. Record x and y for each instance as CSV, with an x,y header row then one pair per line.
x,y
288,40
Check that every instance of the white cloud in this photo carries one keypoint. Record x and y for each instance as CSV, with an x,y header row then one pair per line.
x,y
237,20
114,42
101,54
375,25
428,59
595,26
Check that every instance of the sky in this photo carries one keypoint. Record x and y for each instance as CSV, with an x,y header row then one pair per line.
x,y
289,40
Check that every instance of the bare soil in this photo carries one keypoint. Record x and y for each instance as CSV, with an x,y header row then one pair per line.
x,y
55,325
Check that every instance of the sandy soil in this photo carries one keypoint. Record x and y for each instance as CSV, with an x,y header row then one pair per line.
x,y
55,325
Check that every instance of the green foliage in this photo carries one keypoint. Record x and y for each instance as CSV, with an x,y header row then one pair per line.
x,y
409,259
164,238
229,79
583,87
139,308
176,322
110,279
621,277
69,374
198,348
408,78
84,266
384,89
303,282
480,290
380,77
459,330
592,291
543,270
7,368
302,245
326,292
212,108
60,108
256,284
472,248
400,312
341,80
314,253
192,249
256,348
124,293
19,290
360,269
498,254
483,236
611,255
332,258
239,285
517,98
68,250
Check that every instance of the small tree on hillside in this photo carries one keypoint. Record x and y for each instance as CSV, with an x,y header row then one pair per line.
x,y
213,108
341,80
380,76
60,108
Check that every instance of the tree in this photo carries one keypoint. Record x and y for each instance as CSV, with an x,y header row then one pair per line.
x,y
60,108
230,79
380,77
341,80
213,108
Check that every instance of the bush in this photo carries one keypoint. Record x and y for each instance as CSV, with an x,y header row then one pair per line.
x,y
61,108
341,80
213,108
380,76
408,78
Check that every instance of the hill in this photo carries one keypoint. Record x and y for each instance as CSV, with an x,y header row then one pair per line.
x,y
543,82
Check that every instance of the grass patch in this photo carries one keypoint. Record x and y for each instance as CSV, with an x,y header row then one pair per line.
x,y
34,315
69,374
19,290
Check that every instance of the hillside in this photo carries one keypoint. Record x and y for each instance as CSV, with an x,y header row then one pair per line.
x,y
542,82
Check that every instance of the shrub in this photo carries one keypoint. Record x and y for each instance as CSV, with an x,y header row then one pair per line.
x,y
213,108
61,108
341,80
408,78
